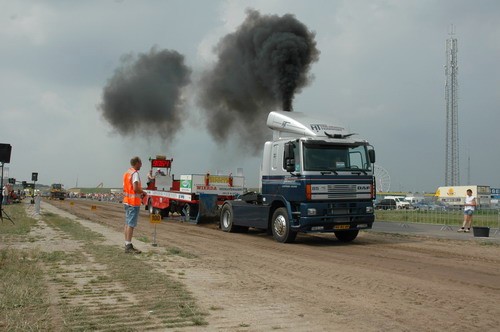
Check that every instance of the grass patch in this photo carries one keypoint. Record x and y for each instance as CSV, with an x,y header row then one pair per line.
x,y
89,284
23,298
156,292
488,243
179,252
452,217
73,228
216,308
22,223
144,239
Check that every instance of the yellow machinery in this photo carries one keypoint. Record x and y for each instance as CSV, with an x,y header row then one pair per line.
x,y
57,191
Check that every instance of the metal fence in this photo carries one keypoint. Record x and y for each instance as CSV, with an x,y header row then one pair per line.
x,y
483,217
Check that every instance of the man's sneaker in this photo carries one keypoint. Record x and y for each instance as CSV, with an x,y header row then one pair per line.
x,y
461,230
467,230
129,249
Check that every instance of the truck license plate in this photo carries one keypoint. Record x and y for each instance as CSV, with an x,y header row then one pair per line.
x,y
341,227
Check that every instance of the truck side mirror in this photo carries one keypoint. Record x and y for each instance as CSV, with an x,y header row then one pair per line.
x,y
289,157
371,155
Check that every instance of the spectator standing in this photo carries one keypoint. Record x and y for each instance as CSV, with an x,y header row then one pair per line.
x,y
5,195
469,207
151,178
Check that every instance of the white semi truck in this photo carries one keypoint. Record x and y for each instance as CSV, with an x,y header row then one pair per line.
x,y
315,177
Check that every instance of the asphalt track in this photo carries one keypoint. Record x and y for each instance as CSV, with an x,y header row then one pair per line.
x,y
431,230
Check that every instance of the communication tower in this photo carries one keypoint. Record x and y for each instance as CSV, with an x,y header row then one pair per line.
x,y
452,170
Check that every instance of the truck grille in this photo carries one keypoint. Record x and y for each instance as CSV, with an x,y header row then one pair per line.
x,y
341,188
341,196
340,191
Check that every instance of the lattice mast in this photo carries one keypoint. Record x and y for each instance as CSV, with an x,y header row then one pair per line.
x,y
452,169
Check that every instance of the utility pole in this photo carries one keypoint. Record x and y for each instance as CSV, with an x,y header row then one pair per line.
x,y
468,169
452,167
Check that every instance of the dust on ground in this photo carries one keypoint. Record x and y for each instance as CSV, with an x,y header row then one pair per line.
x,y
249,282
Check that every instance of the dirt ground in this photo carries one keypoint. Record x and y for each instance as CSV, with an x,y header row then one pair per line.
x,y
380,282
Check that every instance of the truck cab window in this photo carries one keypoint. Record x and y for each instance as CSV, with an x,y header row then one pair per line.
x,y
357,158
327,157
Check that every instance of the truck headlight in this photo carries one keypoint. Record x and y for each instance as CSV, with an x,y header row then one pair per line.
x,y
311,212
369,209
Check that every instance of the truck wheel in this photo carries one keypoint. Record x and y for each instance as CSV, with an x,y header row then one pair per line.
x,y
226,219
185,212
280,225
347,236
164,212
153,210
189,210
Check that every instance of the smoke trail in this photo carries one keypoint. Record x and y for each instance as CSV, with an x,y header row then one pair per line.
x,y
260,68
144,94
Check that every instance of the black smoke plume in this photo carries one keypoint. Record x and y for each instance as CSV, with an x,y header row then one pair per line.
x,y
144,95
260,67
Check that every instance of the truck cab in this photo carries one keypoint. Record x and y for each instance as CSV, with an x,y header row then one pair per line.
x,y
315,177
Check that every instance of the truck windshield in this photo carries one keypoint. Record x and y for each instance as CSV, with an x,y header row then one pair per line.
x,y
329,157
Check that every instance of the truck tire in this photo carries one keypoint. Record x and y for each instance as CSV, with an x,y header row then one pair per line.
x,y
164,212
280,225
347,236
189,211
153,210
226,219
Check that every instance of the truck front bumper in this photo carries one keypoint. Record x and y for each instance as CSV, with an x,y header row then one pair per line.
x,y
331,217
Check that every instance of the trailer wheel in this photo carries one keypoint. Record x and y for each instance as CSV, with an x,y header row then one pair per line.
x,y
347,236
184,209
165,212
226,219
280,225
189,211
153,210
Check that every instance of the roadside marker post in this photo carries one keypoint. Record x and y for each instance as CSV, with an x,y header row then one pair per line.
x,y
38,200
154,219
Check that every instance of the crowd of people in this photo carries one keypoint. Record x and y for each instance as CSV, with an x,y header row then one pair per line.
x,y
104,197
9,195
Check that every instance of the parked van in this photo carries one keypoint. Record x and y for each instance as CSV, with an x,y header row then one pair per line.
x,y
400,202
413,199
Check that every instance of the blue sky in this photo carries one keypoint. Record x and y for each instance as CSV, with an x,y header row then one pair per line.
x,y
380,71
